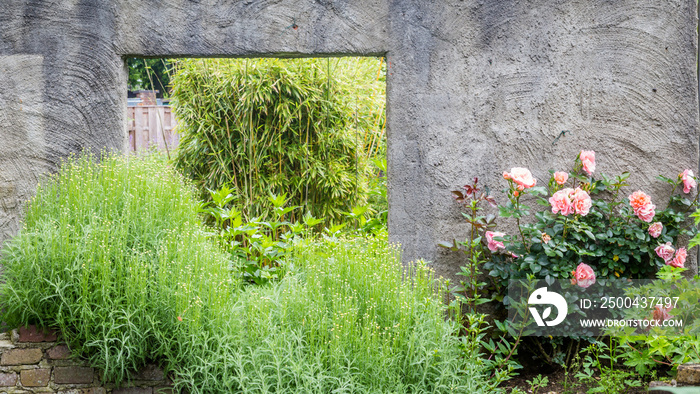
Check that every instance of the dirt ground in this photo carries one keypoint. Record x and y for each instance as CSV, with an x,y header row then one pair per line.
x,y
559,384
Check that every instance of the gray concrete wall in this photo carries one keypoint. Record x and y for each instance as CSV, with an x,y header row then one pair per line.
x,y
62,89
474,87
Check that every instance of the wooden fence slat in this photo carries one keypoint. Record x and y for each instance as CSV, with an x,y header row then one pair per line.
x,y
131,126
146,124
151,125
152,128
138,129
170,122
162,135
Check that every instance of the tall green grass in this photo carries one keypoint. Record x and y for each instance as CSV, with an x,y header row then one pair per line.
x,y
111,254
114,256
347,322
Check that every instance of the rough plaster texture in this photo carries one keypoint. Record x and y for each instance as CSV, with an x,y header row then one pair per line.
x,y
479,87
474,87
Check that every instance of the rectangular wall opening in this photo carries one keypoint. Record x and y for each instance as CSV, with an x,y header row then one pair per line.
x,y
312,129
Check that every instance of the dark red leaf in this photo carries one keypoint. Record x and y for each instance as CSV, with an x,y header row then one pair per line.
x,y
491,201
471,190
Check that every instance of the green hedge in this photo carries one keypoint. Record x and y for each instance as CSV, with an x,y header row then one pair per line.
x,y
307,128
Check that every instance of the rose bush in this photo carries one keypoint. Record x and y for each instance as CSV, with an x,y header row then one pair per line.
x,y
590,229
587,220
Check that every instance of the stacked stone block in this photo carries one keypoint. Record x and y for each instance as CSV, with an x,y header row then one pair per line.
x,y
34,361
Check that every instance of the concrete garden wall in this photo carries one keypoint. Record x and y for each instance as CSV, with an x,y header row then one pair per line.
x,y
474,87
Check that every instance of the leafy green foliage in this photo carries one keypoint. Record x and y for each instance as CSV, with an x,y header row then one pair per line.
x,y
663,348
258,247
646,355
601,358
304,128
149,74
497,361
468,293
537,383
114,256
378,201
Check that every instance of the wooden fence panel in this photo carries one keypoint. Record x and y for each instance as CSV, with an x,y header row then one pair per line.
x,y
151,126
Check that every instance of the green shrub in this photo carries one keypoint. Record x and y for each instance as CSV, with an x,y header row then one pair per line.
x,y
114,256
258,247
346,321
307,128
111,254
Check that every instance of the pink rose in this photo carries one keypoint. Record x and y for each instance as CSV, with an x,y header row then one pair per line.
x,y
639,199
655,229
660,313
588,160
568,201
646,213
582,202
665,251
521,176
560,177
561,202
679,260
583,276
688,180
642,206
494,245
